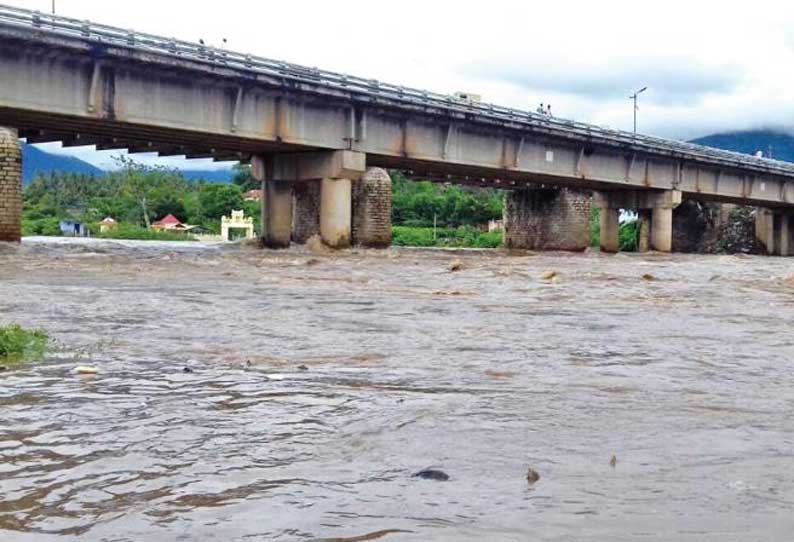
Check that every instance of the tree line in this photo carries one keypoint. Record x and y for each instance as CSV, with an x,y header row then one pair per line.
x,y
134,194
137,195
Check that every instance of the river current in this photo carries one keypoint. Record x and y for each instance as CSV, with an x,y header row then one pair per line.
x,y
261,395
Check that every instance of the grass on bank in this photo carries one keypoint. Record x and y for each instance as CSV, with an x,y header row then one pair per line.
x,y
18,344
462,237
133,232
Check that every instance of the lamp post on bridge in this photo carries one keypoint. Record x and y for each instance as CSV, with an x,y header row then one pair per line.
x,y
636,108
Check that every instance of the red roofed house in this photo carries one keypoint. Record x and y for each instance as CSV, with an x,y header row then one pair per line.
x,y
253,195
171,223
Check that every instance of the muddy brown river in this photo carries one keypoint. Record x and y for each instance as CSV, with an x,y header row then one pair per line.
x,y
318,384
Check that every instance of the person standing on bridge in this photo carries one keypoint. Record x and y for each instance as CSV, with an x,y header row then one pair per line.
x,y
541,109
548,110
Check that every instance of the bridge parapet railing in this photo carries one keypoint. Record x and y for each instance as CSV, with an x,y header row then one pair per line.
x,y
361,88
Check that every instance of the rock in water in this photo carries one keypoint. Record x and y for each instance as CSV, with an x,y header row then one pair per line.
x,y
549,275
456,266
648,276
432,474
187,370
532,476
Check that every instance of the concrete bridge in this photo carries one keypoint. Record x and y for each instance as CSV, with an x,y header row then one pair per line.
x,y
312,135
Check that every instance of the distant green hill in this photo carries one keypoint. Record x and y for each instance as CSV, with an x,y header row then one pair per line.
x,y
752,141
36,161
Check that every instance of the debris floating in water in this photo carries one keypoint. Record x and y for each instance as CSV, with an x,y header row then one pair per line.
x,y
432,474
187,370
85,370
549,275
532,475
457,265
648,276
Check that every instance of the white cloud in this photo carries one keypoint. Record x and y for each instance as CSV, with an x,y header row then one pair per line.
x,y
710,66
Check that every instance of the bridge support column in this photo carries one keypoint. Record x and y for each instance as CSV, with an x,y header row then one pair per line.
x,y
306,212
765,229
10,186
610,230
773,229
278,214
334,171
277,204
785,234
336,212
547,219
662,229
658,204
643,230
372,209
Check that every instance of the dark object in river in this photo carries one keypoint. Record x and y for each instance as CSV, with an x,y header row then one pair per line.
x,y
3,368
532,475
302,368
187,370
432,474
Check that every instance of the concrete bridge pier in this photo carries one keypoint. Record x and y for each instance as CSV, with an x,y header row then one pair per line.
x,y
320,184
774,230
547,219
10,186
336,212
277,204
655,216
644,230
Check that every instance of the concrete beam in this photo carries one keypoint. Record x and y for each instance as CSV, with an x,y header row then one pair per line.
x,y
308,166
638,199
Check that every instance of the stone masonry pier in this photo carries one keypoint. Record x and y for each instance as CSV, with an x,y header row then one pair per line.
x,y
547,219
10,186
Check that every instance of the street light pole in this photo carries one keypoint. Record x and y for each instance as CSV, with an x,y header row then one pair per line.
x,y
636,108
53,7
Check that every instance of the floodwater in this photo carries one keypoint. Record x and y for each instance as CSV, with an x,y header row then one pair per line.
x,y
321,382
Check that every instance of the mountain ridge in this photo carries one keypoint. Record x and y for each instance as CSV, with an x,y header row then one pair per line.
x,y
36,161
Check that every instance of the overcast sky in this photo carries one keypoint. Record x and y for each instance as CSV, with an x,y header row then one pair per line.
x,y
709,66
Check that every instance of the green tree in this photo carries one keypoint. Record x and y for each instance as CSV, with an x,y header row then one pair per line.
x,y
150,187
216,200
244,178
